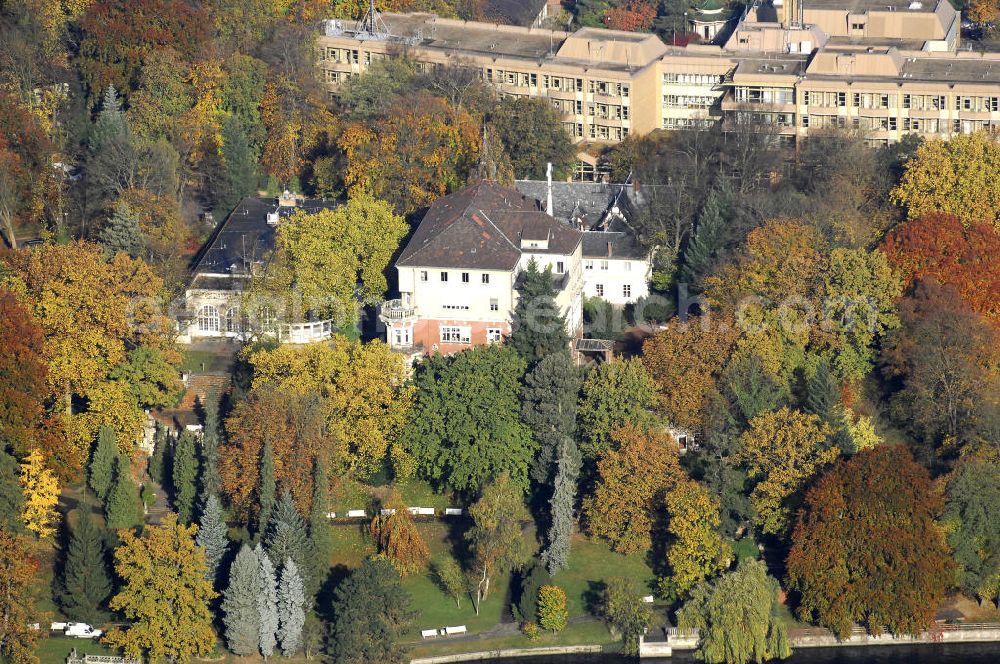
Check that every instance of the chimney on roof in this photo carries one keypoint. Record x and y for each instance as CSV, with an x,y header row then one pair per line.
x,y
548,200
609,248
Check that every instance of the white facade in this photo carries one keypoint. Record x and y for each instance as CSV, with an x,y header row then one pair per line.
x,y
616,280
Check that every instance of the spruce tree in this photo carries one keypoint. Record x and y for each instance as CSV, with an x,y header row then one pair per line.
x,y
123,507
265,490
100,473
708,238
11,493
539,327
211,482
320,531
212,536
291,609
85,584
240,615
267,603
110,124
548,405
121,233
287,537
560,534
821,392
185,475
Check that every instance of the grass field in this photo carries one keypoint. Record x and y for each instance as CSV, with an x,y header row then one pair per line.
x,y
591,564
53,650
588,633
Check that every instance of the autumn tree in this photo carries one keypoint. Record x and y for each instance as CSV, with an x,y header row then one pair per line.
x,y
322,258
623,608
17,604
614,394
26,154
41,495
117,38
371,613
358,392
684,360
11,493
424,150
697,551
633,475
632,16
465,426
867,547
552,612
782,451
939,246
397,537
495,535
91,312
972,520
957,177
23,386
164,594
944,363
737,617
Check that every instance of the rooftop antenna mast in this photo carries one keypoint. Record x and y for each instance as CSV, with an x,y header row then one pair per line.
x,y
371,24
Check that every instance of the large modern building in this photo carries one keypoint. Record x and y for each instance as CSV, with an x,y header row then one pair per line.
x,y
887,67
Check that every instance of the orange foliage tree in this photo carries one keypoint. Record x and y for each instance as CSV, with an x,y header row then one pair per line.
x,y
397,536
939,245
684,360
635,15
867,547
420,150
23,387
25,167
634,474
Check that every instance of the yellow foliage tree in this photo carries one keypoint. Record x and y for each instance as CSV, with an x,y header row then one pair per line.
x,y
782,450
164,595
364,391
697,551
41,495
960,176
398,538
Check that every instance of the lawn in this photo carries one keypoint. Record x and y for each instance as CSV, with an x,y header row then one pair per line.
x,y
587,633
351,495
591,564
53,650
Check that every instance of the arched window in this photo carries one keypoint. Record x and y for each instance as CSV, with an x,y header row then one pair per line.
x,y
233,323
266,319
208,319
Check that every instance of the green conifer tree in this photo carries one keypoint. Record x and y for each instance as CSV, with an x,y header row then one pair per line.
x,y
549,398
287,537
85,583
11,493
211,482
267,604
265,490
121,233
159,458
185,476
821,392
539,326
708,238
319,526
240,175
560,534
123,508
100,473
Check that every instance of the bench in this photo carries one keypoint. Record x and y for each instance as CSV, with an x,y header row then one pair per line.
x,y
428,633
453,511
388,512
648,599
421,511
331,515
355,514
58,627
452,631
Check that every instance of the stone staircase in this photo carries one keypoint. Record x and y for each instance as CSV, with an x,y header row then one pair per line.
x,y
200,386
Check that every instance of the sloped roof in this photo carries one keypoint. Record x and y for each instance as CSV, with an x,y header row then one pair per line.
x,y
480,227
512,12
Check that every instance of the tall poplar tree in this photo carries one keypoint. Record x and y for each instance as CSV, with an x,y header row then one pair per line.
x,y
320,531
265,490
185,476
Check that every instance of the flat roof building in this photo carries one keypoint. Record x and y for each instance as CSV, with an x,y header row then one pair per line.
x,y
887,67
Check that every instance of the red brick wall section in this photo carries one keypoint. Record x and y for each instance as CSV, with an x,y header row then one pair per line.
x,y
428,333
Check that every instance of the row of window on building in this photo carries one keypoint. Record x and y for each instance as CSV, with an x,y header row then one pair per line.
x,y
557,83
626,290
461,334
594,109
871,100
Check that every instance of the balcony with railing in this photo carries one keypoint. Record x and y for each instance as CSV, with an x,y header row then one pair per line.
x,y
397,310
